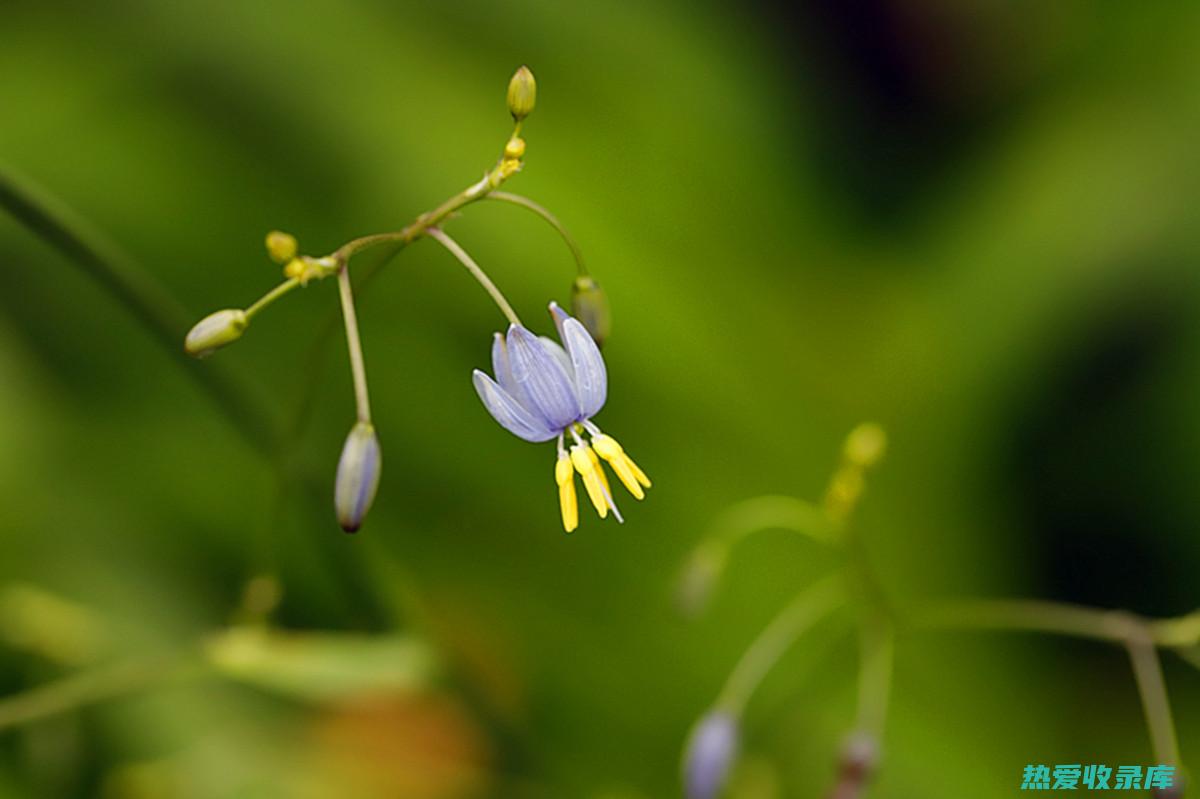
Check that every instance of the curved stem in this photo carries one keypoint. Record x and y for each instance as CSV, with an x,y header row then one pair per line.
x,y
141,295
477,273
802,614
1028,615
525,202
357,366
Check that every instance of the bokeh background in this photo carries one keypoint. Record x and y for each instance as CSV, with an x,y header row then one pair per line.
x,y
974,222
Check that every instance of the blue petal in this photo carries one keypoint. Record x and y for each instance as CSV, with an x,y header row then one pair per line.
x,y
545,383
511,415
560,355
501,367
559,316
591,378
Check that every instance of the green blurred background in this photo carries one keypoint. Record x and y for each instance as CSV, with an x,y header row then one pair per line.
x,y
974,222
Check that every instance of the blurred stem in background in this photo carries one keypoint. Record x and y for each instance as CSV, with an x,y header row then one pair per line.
x,y
710,753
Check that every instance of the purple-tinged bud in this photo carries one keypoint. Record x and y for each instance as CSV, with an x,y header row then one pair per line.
x,y
215,331
357,476
710,754
589,304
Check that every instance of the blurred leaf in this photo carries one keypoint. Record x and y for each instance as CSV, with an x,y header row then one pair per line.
x,y
322,667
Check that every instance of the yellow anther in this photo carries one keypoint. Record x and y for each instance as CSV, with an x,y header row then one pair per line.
x,y
607,447
637,472
564,475
582,458
294,268
599,471
622,464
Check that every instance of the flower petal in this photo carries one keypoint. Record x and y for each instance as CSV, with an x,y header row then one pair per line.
x,y
560,355
502,368
511,415
591,378
546,386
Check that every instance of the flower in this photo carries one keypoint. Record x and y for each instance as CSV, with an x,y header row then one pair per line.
x,y
710,752
543,391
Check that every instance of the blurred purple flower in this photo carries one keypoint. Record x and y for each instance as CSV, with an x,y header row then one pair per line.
x,y
710,753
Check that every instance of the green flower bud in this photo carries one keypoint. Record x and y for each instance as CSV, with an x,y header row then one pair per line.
x,y
522,94
357,476
589,304
865,446
281,246
215,331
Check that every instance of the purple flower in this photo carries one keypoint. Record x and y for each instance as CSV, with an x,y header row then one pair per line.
x,y
544,391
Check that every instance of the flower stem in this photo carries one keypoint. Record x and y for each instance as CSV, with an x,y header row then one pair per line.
x,y
525,202
271,296
476,272
802,614
1147,671
357,366
875,676
1029,615
1139,636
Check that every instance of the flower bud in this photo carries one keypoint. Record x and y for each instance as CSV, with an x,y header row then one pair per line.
x,y
281,246
589,304
357,476
515,149
865,445
522,94
215,331
710,753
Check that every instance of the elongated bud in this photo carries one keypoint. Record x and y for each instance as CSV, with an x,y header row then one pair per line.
x,y
589,304
215,331
522,94
357,476
281,246
865,446
711,751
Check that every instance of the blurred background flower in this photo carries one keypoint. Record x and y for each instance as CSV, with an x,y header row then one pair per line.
x,y
971,221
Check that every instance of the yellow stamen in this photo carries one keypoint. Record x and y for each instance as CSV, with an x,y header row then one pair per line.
x,y
564,475
622,464
600,471
582,459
